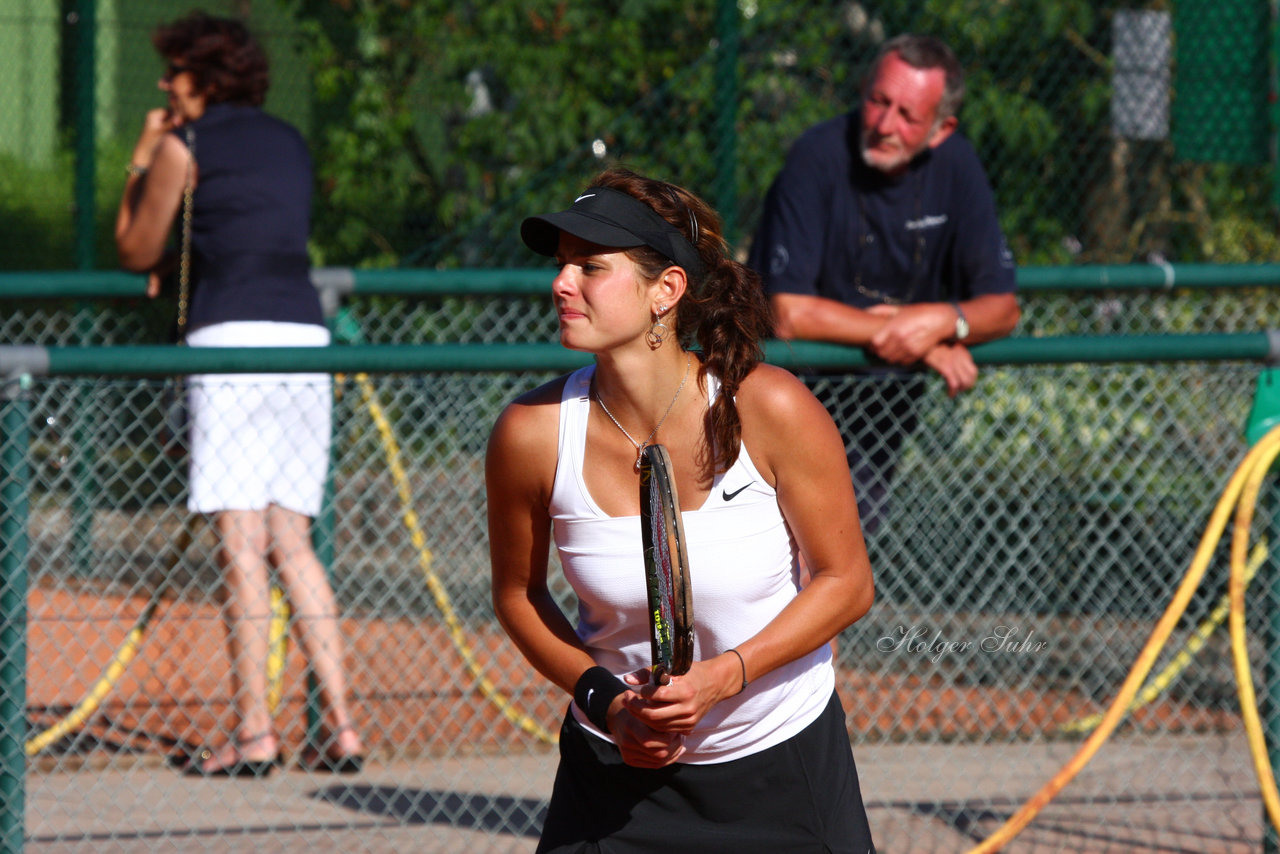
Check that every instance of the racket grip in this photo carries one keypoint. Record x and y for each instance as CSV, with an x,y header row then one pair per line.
x,y
593,693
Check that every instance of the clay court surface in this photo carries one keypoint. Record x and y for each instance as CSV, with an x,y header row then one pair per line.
x,y
410,683
449,773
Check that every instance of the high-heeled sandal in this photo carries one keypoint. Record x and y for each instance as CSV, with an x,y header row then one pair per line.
x,y
241,767
325,761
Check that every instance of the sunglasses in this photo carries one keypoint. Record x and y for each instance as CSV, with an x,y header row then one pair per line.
x,y
174,69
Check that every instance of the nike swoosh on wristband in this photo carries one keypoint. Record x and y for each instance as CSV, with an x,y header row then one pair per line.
x,y
729,496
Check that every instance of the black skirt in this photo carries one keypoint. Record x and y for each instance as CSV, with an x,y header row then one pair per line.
x,y
799,796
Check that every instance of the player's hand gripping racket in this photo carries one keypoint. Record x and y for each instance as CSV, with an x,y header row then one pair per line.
x,y
666,567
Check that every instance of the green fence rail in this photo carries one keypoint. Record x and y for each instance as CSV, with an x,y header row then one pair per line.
x,y
497,306
534,281
160,360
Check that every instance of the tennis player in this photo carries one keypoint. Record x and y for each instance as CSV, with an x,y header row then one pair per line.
x,y
748,750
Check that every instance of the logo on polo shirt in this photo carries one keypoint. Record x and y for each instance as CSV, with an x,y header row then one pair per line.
x,y
779,260
935,221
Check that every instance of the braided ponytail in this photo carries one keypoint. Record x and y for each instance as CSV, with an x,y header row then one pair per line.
x,y
734,319
724,311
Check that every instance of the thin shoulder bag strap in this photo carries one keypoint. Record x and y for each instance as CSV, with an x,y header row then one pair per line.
x,y
184,257
186,535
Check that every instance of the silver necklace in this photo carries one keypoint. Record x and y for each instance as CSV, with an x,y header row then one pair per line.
x,y
640,446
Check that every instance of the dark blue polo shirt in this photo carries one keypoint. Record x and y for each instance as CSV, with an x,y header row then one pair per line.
x,y
251,219
834,227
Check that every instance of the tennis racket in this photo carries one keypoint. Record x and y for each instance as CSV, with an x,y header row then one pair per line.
x,y
666,567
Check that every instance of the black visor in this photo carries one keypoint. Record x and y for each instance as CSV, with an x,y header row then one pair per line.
x,y
612,218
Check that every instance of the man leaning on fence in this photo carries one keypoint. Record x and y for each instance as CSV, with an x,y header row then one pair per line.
x,y
880,232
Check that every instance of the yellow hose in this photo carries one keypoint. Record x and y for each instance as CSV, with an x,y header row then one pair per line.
x,y
1180,662
277,648
74,719
115,668
89,704
1239,645
438,592
278,636
1253,469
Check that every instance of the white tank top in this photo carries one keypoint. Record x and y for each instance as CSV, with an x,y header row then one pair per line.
x,y
743,569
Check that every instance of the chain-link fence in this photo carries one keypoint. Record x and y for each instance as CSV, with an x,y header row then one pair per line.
x,y
1113,132
1035,530
488,306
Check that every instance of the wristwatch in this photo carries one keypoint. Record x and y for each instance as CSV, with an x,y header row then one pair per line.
x,y
962,323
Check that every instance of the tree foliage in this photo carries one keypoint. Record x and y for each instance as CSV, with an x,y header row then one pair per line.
x,y
437,115
441,124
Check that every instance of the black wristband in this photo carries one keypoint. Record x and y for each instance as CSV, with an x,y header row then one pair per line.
x,y
594,692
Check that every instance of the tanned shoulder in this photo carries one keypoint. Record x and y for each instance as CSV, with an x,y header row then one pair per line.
x,y
780,415
523,445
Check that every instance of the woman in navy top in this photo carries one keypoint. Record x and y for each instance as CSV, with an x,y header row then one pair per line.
x,y
260,442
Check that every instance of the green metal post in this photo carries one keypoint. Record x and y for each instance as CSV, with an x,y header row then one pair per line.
x,y
14,413
322,541
322,529
1273,70
84,455
85,20
726,136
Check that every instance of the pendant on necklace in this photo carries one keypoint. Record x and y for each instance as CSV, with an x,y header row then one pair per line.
x,y
640,446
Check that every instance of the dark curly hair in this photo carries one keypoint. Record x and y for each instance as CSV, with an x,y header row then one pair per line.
x,y
724,311
225,60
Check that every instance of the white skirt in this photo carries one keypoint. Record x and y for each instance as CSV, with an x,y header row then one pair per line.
x,y
259,439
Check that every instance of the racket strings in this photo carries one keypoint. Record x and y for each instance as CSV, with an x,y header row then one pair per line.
x,y
662,562
671,612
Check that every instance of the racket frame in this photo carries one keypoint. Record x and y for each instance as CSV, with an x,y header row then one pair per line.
x,y
671,646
